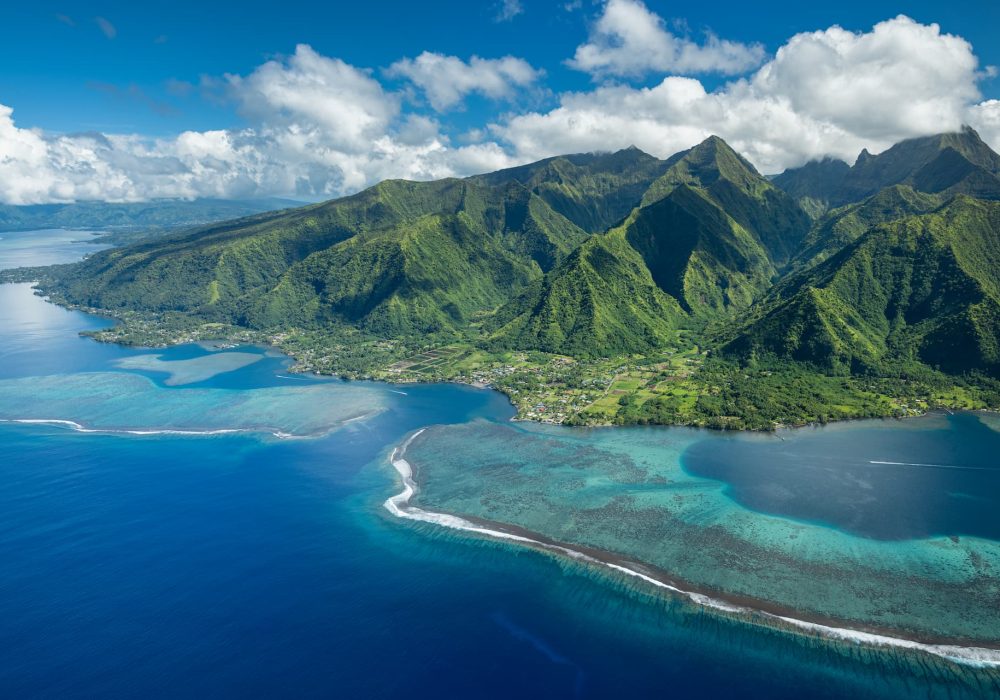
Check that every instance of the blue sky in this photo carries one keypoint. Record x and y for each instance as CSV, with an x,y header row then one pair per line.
x,y
156,70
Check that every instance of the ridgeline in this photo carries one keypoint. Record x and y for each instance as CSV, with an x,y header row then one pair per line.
x,y
615,287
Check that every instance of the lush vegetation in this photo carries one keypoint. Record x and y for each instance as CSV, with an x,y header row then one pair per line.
x,y
922,288
611,288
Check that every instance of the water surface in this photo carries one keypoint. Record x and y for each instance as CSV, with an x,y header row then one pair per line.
x,y
238,565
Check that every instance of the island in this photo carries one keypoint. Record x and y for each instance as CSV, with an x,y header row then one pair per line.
x,y
613,288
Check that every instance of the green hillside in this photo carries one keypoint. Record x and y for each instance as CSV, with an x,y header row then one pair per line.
x,y
601,301
594,191
923,288
610,287
845,224
400,257
731,182
695,246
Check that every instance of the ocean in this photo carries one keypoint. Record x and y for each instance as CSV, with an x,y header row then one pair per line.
x,y
192,522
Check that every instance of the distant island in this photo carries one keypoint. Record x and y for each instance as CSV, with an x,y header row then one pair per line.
x,y
126,222
610,288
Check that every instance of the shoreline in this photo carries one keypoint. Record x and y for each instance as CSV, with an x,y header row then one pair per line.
x,y
751,611
255,338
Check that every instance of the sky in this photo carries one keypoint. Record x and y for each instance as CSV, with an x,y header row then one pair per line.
x,y
135,101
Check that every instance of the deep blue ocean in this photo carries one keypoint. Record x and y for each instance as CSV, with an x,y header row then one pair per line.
x,y
246,566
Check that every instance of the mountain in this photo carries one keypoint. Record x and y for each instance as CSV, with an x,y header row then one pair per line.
x,y
813,184
703,243
158,214
521,259
843,225
921,288
593,190
732,183
600,301
947,164
698,236
399,258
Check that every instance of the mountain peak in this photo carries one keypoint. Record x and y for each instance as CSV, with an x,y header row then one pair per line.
x,y
948,163
709,161
713,144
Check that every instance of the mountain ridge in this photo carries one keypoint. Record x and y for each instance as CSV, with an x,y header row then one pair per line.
x,y
948,164
613,255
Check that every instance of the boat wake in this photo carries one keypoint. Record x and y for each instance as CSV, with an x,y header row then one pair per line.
x,y
931,466
399,505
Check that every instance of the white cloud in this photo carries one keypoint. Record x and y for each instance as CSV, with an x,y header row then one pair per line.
x,y
509,9
446,80
831,92
319,127
985,117
900,79
343,104
629,40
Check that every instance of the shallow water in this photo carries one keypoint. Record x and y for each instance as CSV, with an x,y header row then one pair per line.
x,y
625,491
246,565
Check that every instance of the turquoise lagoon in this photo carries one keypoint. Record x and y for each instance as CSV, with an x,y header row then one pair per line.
x,y
638,494
195,521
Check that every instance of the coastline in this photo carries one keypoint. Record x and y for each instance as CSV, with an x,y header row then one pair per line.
x,y
135,329
759,613
153,334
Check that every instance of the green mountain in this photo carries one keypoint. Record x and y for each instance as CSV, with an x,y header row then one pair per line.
x,y
604,255
398,258
158,214
594,191
843,225
601,301
731,182
946,164
921,288
813,184
699,246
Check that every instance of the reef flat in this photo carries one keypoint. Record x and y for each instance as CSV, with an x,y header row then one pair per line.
x,y
623,499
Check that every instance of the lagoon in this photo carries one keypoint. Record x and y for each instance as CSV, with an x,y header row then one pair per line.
x,y
140,559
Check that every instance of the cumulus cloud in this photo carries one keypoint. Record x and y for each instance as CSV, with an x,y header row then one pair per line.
x,y
985,117
829,92
337,101
629,40
446,80
320,127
